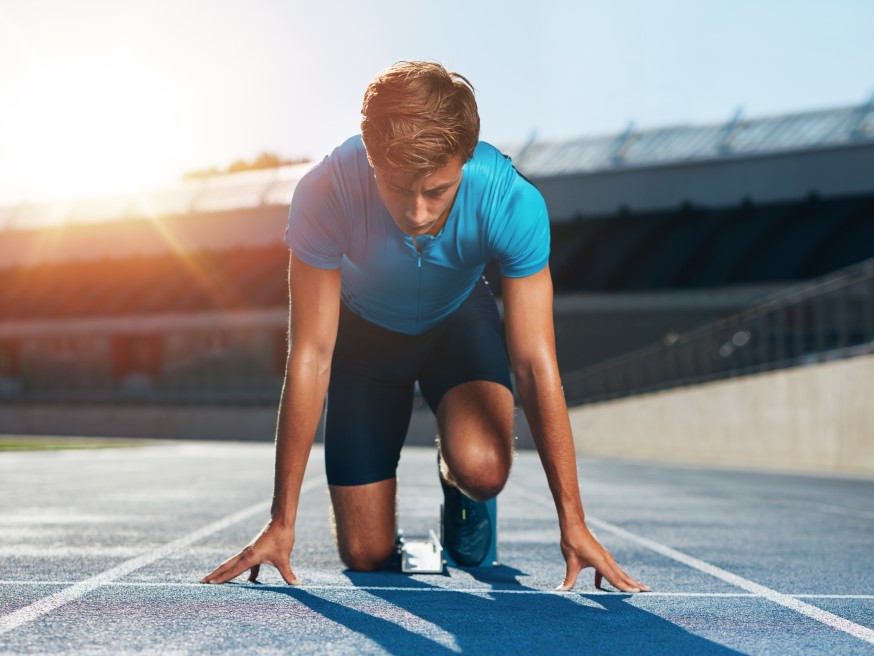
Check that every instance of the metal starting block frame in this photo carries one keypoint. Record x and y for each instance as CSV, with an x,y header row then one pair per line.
x,y
426,555
421,555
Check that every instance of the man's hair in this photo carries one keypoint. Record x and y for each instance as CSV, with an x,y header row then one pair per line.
x,y
416,116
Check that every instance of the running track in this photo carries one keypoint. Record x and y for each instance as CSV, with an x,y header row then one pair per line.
x,y
101,552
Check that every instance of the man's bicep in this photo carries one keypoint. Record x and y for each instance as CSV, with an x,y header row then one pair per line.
x,y
520,240
528,317
314,306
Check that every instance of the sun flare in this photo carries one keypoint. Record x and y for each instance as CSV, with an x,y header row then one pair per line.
x,y
90,122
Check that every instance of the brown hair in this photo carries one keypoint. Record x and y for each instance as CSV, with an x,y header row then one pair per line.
x,y
416,116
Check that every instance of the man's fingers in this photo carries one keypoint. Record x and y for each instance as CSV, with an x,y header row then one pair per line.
x,y
614,576
219,570
231,572
226,574
637,584
286,573
253,573
231,568
216,573
570,577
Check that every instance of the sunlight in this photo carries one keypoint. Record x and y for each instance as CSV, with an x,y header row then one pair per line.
x,y
189,261
90,124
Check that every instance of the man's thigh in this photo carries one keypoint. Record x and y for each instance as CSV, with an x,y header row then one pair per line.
x,y
475,420
466,381
470,348
365,427
370,399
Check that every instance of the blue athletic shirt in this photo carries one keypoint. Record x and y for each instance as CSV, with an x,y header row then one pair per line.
x,y
338,220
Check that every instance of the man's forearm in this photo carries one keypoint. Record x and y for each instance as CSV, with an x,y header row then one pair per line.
x,y
300,408
546,412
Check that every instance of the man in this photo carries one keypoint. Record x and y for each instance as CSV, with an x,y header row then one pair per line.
x,y
389,237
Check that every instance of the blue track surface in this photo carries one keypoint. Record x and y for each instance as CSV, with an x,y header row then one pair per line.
x,y
101,552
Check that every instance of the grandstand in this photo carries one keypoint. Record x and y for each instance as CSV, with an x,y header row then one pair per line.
x,y
178,296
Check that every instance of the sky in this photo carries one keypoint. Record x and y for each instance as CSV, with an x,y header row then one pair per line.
x,y
101,96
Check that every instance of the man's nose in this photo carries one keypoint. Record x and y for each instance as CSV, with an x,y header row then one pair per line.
x,y
416,210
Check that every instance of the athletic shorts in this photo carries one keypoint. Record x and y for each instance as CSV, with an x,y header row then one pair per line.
x,y
373,376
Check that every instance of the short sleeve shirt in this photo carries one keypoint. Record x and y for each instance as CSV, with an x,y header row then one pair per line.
x,y
338,220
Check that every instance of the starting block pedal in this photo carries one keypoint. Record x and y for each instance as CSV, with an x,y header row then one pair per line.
x,y
421,555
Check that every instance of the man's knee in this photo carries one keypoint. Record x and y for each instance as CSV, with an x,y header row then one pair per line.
x,y
484,486
476,437
361,556
480,473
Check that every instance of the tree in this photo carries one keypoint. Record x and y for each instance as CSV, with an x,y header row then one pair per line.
x,y
265,160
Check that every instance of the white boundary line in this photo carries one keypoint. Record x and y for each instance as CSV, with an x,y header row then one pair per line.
x,y
818,614
390,588
45,605
788,601
381,588
821,507
394,588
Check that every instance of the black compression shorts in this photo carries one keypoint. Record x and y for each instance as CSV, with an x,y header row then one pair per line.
x,y
373,376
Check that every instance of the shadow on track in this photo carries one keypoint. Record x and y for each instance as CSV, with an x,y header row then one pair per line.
x,y
459,621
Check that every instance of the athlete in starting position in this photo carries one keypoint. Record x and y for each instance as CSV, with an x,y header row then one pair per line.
x,y
389,238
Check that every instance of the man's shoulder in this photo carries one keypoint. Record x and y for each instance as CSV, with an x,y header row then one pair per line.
x,y
349,154
487,158
351,150
492,172
340,172
493,168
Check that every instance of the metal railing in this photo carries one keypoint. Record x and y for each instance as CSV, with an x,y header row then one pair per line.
x,y
824,319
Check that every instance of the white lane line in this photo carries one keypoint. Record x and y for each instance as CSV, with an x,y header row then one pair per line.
x,y
832,596
389,588
821,507
788,601
383,588
38,608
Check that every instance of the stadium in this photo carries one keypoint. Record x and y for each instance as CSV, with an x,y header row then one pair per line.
x,y
714,316
165,313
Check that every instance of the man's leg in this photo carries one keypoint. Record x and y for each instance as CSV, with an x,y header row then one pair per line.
x,y
364,431
475,420
364,521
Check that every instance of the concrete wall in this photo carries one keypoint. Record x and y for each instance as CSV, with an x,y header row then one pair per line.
x,y
818,418
714,183
170,422
246,423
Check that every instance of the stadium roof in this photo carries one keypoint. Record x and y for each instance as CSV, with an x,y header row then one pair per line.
x,y
738,138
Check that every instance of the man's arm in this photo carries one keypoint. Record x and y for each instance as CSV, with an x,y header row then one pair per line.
x,y
531,344
313,316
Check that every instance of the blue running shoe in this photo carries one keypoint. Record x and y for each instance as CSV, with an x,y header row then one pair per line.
x,y
467,527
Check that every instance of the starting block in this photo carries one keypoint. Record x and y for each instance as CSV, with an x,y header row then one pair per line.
x,y
421,555
426,555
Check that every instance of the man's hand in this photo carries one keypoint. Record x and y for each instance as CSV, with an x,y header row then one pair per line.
x,y
580,550
272,545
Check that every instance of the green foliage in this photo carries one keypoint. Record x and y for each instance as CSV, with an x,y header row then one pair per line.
x,y
265,160
40,443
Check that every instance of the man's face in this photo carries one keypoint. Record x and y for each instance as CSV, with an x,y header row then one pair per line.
x,y
419,206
